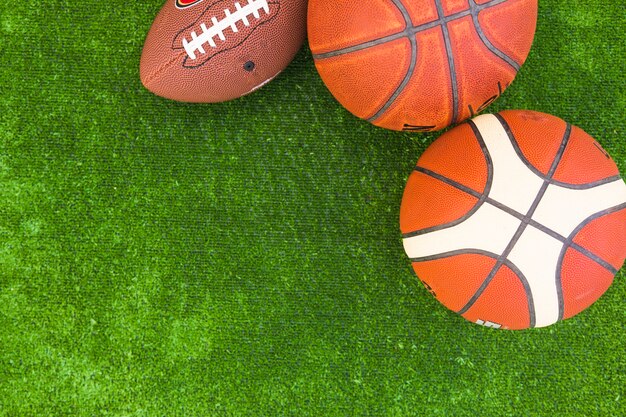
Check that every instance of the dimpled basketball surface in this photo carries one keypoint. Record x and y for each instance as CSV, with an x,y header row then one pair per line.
x,y
419,65
515,220
211,51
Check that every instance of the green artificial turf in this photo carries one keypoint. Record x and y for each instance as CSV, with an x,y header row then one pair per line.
x,y
245,259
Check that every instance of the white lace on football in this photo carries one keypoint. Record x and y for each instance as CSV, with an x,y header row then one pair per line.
x,y
241,14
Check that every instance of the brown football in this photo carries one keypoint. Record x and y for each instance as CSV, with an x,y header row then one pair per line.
x,y
208,51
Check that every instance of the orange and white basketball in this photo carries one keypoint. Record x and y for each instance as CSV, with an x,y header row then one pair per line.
x,y
419,65
515,220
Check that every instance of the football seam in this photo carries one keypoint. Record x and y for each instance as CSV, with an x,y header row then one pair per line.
x,y
152,76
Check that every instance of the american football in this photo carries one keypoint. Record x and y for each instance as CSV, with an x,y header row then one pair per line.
x,y
208,51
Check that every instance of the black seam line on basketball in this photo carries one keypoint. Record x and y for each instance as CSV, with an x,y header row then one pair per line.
x,y
541,175
587,185
524,222
499,262
374,42
402,85
531,222
451,182
559,154
407,32
451,66
529,294
558,282
456,252
410,70
405,13
594,258
551,180
518,151
570,244
506,262
474,12
482,197
487,200
570,239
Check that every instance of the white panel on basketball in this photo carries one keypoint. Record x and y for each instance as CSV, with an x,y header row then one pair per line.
x,y
563,209
489,229
536,255
513,183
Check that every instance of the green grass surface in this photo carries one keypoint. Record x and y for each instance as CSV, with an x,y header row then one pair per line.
x,y
244,259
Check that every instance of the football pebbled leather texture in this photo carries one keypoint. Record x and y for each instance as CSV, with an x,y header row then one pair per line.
x,y
209,51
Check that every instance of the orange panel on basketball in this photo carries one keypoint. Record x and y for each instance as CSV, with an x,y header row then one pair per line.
x,y
531,131
428,202
388,62
455,279
454,6
426,100
481,75
583,151
421,11
583,281
606,237
457,155
369,20
504,302
512,37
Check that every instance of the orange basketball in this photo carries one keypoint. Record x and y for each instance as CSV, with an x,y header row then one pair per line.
x,y
515,220
419,65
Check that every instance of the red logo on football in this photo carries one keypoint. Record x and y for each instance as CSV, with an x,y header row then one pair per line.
x,y
183,4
